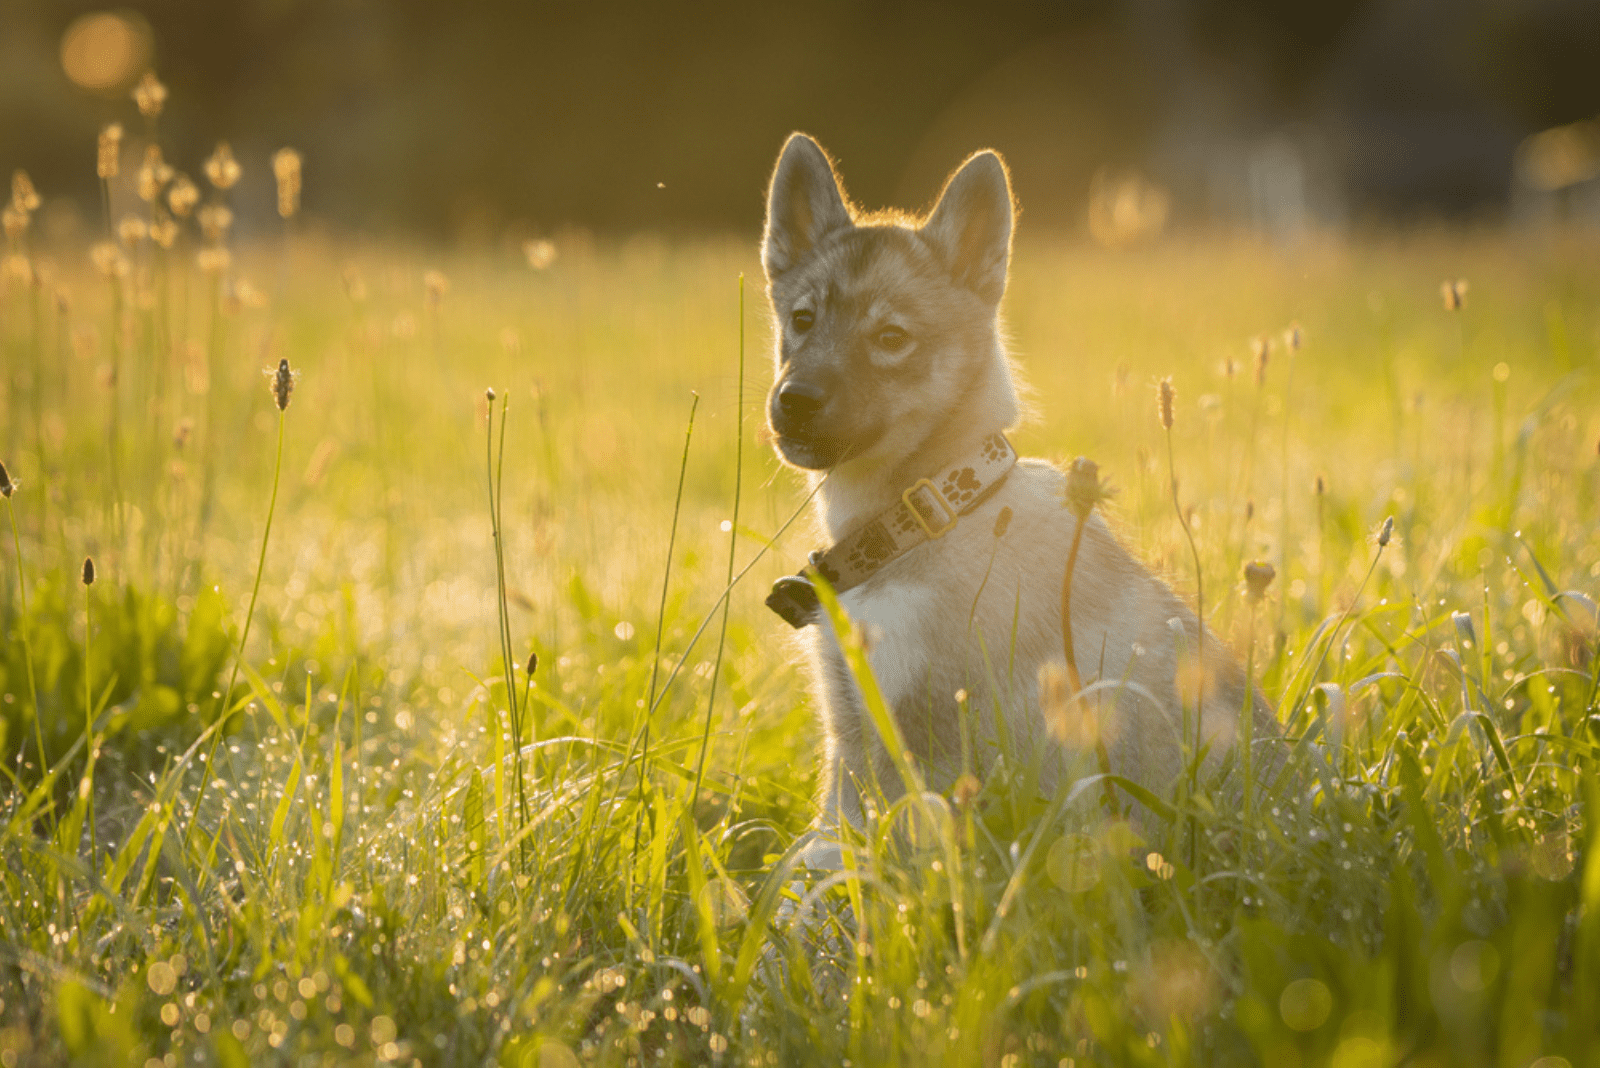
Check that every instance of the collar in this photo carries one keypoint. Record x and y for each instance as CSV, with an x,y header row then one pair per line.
x,y
928,509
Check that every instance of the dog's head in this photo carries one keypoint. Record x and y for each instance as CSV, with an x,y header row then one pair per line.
x,y
885,325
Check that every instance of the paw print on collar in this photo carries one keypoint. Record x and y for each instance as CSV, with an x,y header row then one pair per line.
x,y
960,487
874,547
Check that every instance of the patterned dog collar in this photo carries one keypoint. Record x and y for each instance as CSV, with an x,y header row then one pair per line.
x,y
928,509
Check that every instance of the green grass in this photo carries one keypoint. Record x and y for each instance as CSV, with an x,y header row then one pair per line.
x,y
362,883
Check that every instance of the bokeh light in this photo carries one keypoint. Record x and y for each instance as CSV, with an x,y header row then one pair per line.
x,y
105,50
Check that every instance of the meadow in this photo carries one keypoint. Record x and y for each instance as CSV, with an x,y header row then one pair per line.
x,y
406,724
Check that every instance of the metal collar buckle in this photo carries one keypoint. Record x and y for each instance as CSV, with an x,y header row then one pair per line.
x,y
951,515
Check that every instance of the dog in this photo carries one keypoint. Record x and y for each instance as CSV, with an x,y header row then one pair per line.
x,y
893,390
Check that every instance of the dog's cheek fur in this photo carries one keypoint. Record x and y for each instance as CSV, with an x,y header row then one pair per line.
x,y
957,352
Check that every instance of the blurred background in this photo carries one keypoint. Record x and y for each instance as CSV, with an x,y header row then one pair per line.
x,y
490,121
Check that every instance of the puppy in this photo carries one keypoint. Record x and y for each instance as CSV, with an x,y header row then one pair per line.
x,y
894,391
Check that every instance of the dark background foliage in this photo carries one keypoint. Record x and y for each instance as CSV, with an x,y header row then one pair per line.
x,y
478,119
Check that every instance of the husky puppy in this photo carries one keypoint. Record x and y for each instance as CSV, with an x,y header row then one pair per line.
x,y
892,381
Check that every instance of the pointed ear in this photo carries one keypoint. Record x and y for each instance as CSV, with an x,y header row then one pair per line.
x,y
804,205
971,225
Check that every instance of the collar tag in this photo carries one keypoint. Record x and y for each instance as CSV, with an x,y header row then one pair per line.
x,y
795,600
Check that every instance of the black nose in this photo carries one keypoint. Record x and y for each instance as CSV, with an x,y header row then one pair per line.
x,y
798,402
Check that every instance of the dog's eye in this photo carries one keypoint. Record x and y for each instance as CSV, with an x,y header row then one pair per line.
x,y
892,338
802,318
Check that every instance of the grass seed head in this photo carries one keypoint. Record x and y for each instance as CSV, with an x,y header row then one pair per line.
x,y
1321,485
163,231
436,286
1002,522
1293,338
1119,380
15,221
533,663
215,219
541,253
488,394
1386,533
282,384
1454,294
213,260
23,195
1055,689
88,571
182,196
355,287
108,259
222,170
1164,399
132,230
1084,489
965,789
286,169
108,158
245,295
7,487
1258,575
154,174
1074,723
150,95
20,269
1261,349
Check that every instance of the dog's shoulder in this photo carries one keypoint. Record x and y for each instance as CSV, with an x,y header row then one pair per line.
x,y
1027,508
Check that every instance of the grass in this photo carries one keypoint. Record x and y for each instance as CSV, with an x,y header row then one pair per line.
x,y
378,872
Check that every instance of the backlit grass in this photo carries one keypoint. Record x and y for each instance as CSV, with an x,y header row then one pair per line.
x,y
367,880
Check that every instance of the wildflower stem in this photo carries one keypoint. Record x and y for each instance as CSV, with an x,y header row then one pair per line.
x,y
1200,641
88,718
114,419
24,625
1283,496
661,622
1247,720
1322,548
733,540
705,621
1073,678
215,336
244,637
518,710
494,466
1199,588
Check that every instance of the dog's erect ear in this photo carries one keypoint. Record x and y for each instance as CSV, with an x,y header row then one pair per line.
x,y
803,206
971,225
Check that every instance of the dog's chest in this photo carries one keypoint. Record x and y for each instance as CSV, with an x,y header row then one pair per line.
x,y
914,617
898,621
965,612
